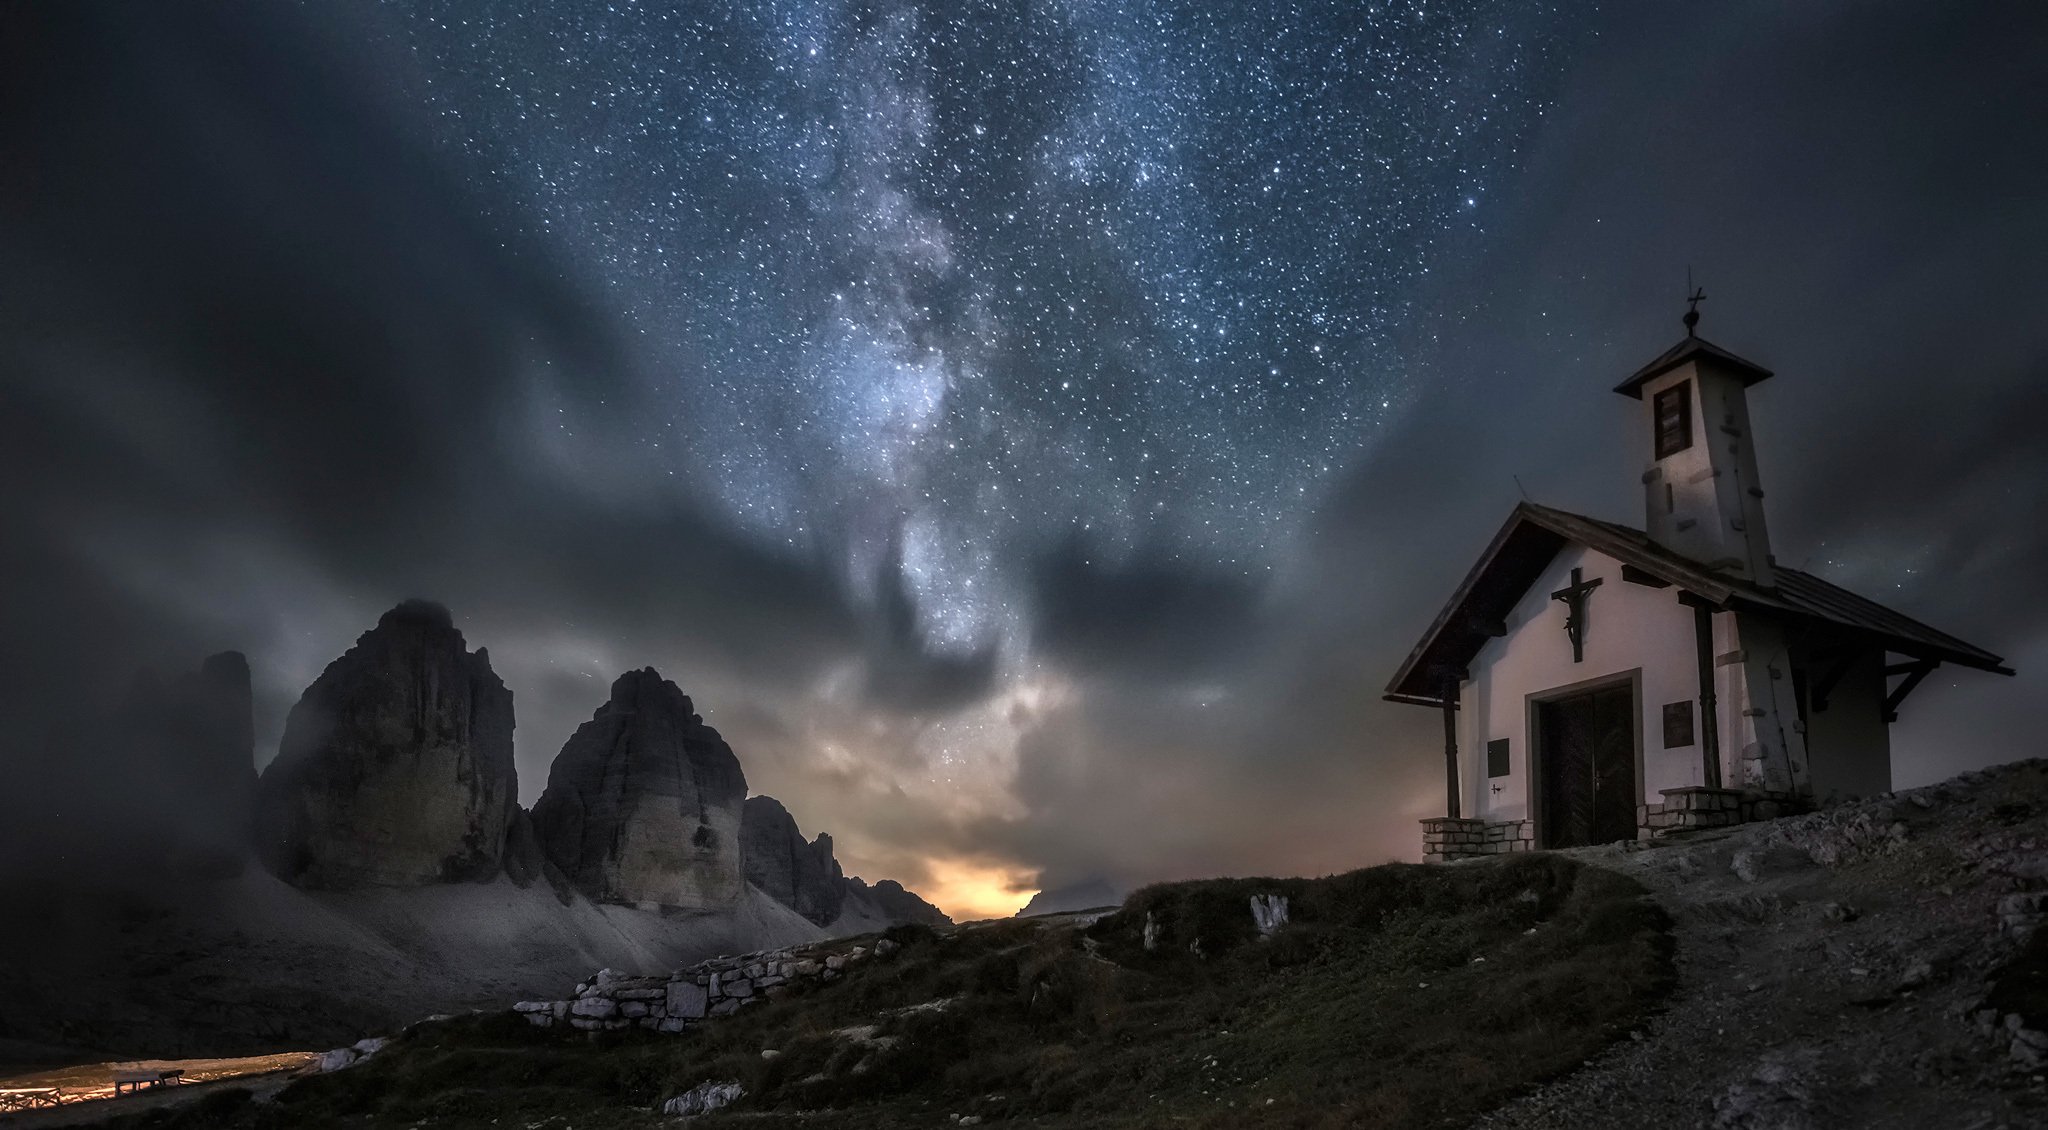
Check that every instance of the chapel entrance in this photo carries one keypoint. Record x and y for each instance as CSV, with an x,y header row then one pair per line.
x,y
1587,746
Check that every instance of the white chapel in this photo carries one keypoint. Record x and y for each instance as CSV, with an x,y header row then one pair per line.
x,y
1600,682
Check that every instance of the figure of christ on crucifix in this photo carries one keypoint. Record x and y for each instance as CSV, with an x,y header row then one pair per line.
x,y
1574,597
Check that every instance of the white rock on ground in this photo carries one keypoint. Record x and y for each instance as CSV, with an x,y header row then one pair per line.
x,y
704,1098
1269,913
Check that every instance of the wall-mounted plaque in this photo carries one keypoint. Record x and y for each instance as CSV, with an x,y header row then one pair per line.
x,y
1677,724
1497,757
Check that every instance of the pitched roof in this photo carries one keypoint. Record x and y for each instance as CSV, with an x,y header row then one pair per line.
x,y
1535,534
1688,349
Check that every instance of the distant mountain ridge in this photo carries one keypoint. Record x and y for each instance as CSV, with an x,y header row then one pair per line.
x,y
1088,894
396,771
804,876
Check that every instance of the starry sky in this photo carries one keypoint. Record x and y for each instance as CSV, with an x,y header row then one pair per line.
x,y
1032,431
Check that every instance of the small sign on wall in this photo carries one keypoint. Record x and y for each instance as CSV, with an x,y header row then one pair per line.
x,y
1497,757
1677,724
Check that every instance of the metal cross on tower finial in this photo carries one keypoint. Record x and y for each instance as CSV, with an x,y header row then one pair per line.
x,y
1693,298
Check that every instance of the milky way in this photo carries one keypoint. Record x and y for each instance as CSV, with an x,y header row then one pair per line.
x,y
933,289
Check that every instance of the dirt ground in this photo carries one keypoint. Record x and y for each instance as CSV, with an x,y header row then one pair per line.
x,y
1833,972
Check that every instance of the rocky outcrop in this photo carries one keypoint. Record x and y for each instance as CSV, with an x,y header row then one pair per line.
x,y
644,802
396,765
897,904
798,874
1089,894
191,741
804,876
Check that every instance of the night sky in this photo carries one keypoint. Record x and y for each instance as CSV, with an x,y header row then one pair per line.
x,y
1032,431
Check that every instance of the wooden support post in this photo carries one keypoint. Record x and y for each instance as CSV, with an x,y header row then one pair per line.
x,y
1828,681
1451,807
1914,673
1710,719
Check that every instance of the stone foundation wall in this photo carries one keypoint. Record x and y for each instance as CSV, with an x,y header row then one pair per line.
x,y
1444,838
1696,807
718,987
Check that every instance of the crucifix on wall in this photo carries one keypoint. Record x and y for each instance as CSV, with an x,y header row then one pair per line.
x,y
1574,597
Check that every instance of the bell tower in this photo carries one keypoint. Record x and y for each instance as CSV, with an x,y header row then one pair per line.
x,y
1702,496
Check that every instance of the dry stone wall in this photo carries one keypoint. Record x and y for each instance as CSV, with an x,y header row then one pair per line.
x,y
1446,838
669,1003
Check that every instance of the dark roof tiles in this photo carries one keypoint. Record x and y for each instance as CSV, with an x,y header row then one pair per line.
x,y
1688,349
1535,534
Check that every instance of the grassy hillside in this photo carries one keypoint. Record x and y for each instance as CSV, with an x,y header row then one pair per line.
x,y
1398,996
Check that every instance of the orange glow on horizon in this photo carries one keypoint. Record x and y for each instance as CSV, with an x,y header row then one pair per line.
x,y
967,890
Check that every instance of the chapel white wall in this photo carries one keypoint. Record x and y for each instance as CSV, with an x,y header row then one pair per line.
x,y
1628,627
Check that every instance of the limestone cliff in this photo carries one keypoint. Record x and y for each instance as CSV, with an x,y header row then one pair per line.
x,y
895,903
396,764
644,802
800,875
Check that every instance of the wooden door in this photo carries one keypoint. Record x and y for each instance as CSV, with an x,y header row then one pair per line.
x,y
1588,767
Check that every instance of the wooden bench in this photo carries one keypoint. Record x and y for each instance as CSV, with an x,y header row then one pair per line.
x,y
134,1081
24,1098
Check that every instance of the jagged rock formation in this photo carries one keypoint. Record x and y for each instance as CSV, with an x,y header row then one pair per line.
x,y
804,876
526,863
643,804
396,765
1089,894
799,875
192,741
897,904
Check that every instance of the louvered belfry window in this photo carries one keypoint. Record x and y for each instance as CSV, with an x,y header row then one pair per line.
x,y
1673,408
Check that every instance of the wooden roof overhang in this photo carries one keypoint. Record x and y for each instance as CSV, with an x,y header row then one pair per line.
x,y
1692,349
1534,535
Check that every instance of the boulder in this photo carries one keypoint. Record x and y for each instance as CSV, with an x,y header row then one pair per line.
x,y
644,802
686,1000
704,1098
798,874
1269,913
396,764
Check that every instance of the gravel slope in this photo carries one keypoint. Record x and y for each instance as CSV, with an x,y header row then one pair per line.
x,y
1833,970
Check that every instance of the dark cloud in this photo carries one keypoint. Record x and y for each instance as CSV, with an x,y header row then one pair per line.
x,y
1147,617
268,371
904,671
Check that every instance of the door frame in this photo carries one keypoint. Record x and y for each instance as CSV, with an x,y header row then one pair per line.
x,y
1633,680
